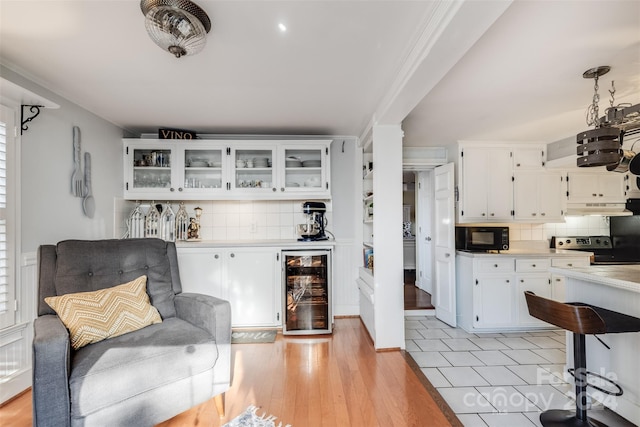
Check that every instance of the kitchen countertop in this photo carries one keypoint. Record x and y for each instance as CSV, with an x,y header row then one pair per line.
x,y
278,243
625,277
527,252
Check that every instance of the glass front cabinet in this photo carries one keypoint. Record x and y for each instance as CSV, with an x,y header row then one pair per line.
x,y
307,292
208,169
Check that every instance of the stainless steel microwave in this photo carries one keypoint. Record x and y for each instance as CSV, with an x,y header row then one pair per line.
x,y
482,238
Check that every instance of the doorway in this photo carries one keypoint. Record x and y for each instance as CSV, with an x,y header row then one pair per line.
x,y
417,254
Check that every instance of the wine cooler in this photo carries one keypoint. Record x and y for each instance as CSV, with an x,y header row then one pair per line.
x,y
307,292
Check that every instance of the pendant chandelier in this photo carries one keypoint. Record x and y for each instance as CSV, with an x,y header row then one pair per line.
x,y
602,146
177,26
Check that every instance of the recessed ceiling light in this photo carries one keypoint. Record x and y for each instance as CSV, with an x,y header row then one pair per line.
x,y
282,27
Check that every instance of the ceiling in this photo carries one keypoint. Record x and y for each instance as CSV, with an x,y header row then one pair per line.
x,y
514,74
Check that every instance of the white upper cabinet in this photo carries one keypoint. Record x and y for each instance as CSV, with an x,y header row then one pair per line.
x,y
538,196
306,169
528,157
595,187
254,169
219,170
486,190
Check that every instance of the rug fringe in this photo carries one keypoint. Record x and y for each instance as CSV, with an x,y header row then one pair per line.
x,y
265,417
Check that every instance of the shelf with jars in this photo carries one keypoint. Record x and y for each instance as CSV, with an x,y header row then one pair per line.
x,y
226,170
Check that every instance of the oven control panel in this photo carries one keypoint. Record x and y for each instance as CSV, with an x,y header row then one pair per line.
x,y
581,242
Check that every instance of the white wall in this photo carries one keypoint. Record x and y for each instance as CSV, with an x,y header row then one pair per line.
x,y
49,212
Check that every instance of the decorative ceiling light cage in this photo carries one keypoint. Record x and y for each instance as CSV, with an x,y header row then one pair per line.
x,y
177,26
602,146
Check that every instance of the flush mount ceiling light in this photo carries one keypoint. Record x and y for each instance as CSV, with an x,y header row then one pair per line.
x,y
177,26
602,146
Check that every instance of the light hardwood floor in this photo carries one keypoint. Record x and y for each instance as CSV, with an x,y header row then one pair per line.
x,y
334,381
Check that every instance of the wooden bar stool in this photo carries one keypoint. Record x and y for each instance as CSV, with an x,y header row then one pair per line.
x,y
581,319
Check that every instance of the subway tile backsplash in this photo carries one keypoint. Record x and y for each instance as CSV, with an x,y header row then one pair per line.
x,y
236,220
574,226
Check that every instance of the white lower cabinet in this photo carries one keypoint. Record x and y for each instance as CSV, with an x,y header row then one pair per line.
x,y
539,284
248,277
558,281
491,289
493,301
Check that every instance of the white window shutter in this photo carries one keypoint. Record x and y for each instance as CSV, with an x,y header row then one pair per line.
x,y
7,224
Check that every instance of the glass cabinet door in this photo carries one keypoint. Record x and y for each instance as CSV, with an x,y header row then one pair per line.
x,y
304,169
253,169
204,169
151,169
307,292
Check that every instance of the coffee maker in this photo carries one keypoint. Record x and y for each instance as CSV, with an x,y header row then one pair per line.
x,y
313,228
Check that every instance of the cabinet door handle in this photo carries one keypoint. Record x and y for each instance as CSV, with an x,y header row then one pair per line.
x,y
275,189
281,188
483,214
447,255
507,280
533,265
533,214
216,256
594,195
232,255
521,280
600,195
172,189
495,265
492,214
179,188
569,265
543,214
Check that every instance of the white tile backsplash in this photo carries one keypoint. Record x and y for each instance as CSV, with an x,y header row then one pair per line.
x,y
574,226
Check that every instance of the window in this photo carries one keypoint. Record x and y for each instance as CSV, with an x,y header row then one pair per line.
x,y
7,218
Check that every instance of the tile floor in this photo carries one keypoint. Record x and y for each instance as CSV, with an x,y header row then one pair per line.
x,y
491,380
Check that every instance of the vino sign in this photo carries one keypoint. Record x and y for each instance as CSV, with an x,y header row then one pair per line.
x,y
165,133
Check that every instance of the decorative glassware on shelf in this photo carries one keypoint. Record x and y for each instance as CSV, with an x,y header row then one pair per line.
x,y
135,223
152,222
182,223
168,224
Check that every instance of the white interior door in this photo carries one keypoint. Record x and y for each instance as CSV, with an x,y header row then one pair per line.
x,y
444,293
424,230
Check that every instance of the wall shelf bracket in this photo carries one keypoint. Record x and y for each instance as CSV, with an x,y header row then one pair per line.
x,y
34,110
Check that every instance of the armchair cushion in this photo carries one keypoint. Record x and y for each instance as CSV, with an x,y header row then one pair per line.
x,y
137,363
94,316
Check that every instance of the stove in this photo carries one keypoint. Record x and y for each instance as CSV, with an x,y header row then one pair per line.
x,y
604,252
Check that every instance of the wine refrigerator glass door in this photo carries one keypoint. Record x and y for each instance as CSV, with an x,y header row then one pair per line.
x,y
307,292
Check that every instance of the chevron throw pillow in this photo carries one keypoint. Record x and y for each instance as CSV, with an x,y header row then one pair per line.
x,y
106,313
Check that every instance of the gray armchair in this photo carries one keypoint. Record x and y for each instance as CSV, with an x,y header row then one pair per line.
x,y
140,378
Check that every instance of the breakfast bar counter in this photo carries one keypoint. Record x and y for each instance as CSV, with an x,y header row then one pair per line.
x,y
617,288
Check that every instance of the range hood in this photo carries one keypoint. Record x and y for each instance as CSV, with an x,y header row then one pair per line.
x,y
602,209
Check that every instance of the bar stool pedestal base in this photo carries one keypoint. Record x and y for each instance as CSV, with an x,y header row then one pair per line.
x,y
597,418
564,418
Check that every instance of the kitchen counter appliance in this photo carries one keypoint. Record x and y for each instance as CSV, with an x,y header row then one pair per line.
x,y
314,227
482,239
307,292
604,249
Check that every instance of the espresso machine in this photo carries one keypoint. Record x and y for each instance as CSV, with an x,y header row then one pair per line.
x,y
313,228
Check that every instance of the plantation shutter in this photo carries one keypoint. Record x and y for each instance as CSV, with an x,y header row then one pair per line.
x,y
7,225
